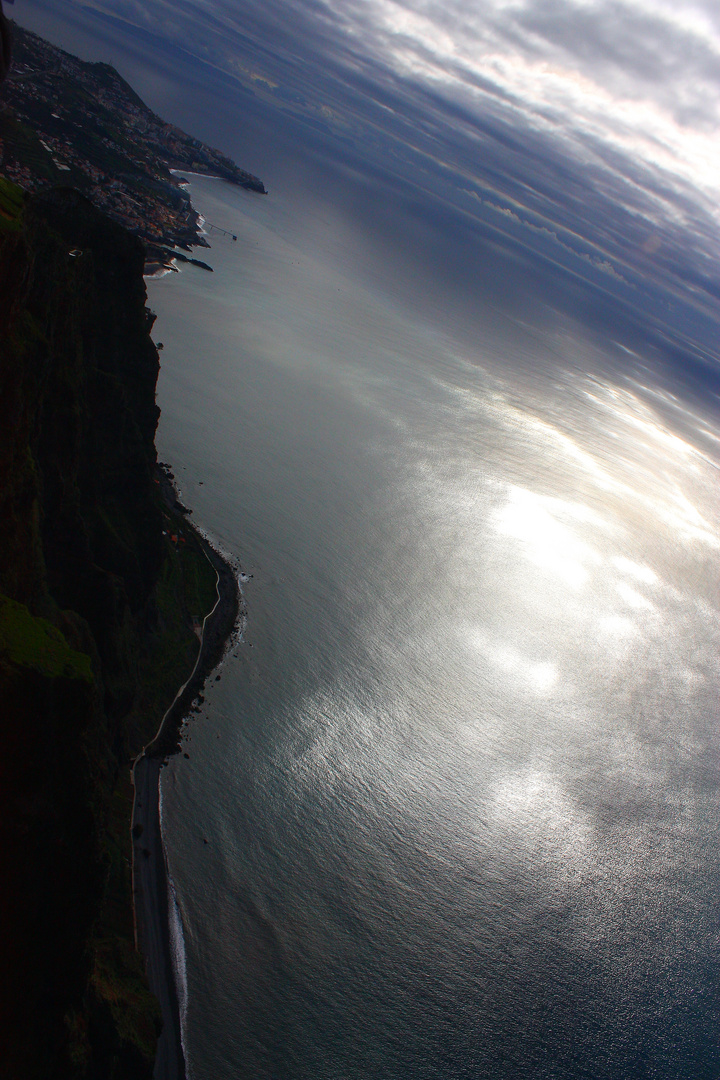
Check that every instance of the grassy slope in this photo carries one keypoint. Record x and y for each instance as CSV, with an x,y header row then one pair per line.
x,y
29,642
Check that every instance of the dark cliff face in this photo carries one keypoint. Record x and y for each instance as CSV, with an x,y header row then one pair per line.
x,y
81,549
78,414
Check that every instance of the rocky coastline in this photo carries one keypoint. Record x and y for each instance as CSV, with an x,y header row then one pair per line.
x,y
97,613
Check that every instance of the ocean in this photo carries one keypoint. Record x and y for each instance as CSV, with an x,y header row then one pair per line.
x,y
451,805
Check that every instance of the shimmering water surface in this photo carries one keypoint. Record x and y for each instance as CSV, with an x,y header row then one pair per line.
x,y
460,783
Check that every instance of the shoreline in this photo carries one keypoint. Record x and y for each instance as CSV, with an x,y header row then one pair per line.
x,y
150,878
162,255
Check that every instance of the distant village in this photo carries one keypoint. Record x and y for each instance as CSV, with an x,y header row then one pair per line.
x,y
65,121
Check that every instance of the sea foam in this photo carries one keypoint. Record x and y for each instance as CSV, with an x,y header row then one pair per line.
x,y
177,945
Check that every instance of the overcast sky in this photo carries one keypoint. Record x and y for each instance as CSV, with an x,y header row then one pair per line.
x,y
585,129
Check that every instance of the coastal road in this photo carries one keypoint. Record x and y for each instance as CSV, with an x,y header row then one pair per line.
x,y
150,878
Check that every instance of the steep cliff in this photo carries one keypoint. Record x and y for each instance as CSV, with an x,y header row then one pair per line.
x,y
95,632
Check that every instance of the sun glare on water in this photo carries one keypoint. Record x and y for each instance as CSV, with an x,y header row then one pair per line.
x,y
598,542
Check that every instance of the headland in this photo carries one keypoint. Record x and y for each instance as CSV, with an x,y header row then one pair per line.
x,y
67,122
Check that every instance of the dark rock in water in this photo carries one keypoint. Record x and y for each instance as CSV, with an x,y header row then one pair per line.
x,y
137,830
202,265
218,678
186,755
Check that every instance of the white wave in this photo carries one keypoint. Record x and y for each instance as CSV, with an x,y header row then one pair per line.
x,y
178,955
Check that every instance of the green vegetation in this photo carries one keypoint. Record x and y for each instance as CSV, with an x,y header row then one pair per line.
x,y
12,202
198,577
27,147
185,592
31,642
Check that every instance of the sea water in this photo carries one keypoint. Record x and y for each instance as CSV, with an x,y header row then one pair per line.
x,y
451,809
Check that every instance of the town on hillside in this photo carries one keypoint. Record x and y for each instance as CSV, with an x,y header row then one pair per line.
x,y
64,121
